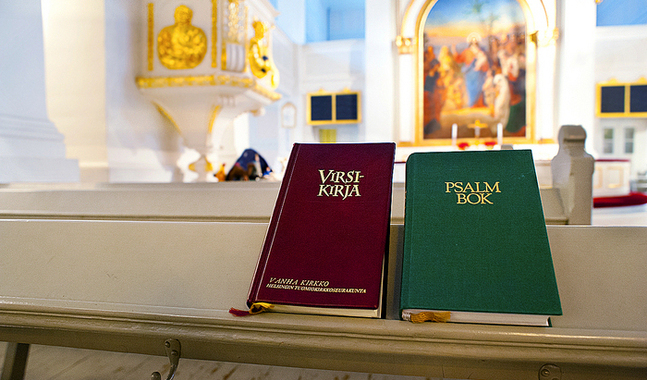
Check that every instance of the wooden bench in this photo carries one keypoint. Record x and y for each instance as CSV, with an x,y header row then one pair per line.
x,y
129,285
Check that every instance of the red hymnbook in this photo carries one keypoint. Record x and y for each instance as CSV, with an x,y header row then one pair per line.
x,y
326,243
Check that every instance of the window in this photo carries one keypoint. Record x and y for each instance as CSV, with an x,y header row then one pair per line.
x,y
333,108
607,146
629,140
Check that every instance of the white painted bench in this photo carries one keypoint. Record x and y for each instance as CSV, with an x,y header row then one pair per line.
x,y
129,285
223,202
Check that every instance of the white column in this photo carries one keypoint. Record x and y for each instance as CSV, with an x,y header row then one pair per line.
x,y
545,101
75,60
31,148
379,104
406,98
576,75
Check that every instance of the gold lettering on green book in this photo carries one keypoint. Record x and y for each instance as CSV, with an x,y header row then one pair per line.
x,y
472,193
336,183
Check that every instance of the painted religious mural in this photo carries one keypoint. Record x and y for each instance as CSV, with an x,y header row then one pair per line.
x,y
473,70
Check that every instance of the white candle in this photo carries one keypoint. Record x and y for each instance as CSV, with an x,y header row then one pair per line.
x,y
454,134
499,134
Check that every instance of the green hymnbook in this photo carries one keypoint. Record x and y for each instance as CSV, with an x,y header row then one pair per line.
x,y
475,241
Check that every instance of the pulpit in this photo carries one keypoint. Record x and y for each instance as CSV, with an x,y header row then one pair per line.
x,y
204,64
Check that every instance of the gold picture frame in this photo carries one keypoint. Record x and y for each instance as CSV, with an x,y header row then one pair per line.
x,y
462,46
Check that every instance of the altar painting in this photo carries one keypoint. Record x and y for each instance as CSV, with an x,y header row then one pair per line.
x,y
472,66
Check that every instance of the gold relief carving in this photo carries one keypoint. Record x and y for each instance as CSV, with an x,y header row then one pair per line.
x,y
259,60
214,115
223,57
150,37
404,45
234,28
234,33
207,80
245,38
545,38
182,45
214,33
162,111
208,166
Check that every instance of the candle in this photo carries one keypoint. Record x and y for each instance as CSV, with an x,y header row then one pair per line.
x,y
499,134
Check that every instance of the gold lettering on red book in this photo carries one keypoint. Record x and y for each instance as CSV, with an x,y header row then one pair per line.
x,y
337,183
472,193
317,286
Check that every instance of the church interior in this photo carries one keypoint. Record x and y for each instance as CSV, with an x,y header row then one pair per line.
x,y
141,140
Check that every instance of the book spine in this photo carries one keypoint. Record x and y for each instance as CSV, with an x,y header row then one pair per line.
x,y
271,230
387,240
408,216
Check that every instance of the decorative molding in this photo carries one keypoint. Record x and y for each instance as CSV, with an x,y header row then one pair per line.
x,y
207,80
405,45
214,114
164,113
289,115
214,33
28,129
234,32
545,38
151,36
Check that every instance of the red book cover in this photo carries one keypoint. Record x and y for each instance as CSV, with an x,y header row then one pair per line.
x,y
326,243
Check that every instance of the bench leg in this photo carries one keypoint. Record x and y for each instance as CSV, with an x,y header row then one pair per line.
x,y
15,361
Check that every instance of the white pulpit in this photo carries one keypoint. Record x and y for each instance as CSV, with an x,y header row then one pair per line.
x,y
204,64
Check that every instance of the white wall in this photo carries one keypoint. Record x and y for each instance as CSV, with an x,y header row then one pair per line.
x,y
265,132
143,145
333,66
620,54
292,19
315,25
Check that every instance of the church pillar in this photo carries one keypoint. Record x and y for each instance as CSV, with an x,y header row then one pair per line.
x,y
379,85
576,66
31,148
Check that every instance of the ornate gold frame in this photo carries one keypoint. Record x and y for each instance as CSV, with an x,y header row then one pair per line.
x,y
531,72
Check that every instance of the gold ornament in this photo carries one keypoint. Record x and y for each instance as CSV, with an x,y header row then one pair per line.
x,y
259,60
182,45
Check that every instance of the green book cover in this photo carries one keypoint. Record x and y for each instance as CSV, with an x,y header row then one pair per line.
x,y
475,238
